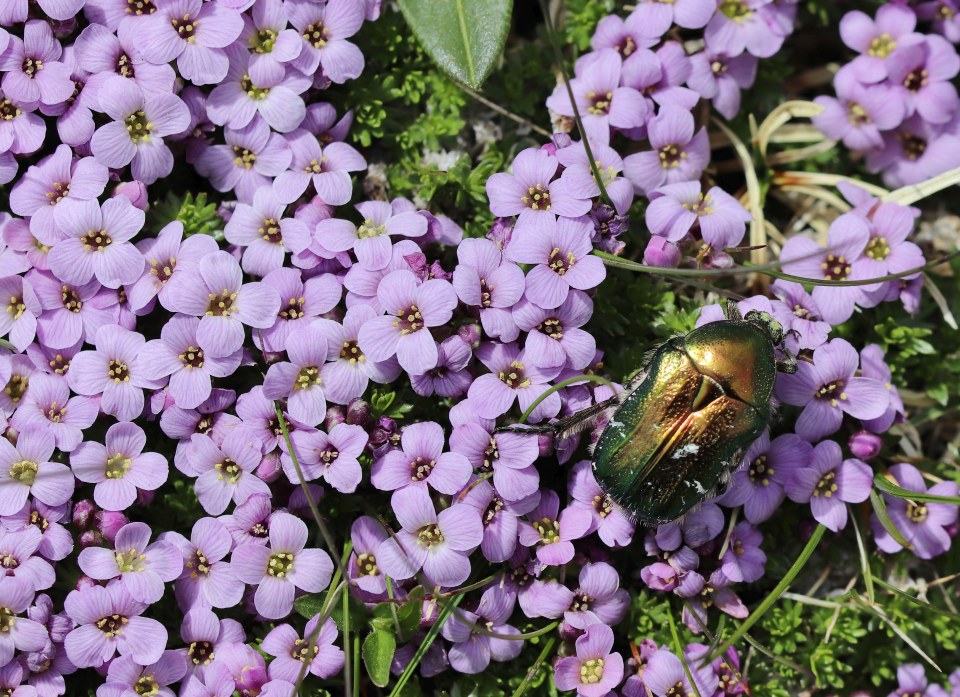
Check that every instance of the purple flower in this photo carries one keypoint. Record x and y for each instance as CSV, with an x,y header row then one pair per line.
x,y
135,136
860,113
532,194
103,54
21,131
888,251
411,309
250,522
421,462
551,533
249,160
333,457
126,678
324,31
19,561
226,473
371,240
143,568
874,367
796,310
472,651
32,71
600,100
194,33
665,676
483,279
350,371
714,593
594,671
26,470
56,178
301,302
169,257
264,233
561,251
922,523
177,354
283,566
499,517
327,167
758,484
623,35
827,388
911,680
657,16
207,580
21,633
744,560
97,242
439,543
217,294
847,239
598,599
291,652
675,209
511,379
745,25
720,77
510,456
678,155
366,534
237,99
116,370
660,77
109,623
608,519
877,40
119,467
449,378
827,484
274,45
56,542
554,336
923,71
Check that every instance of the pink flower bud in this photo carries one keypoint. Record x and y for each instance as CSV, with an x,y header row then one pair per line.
x,y
470,333
136,191
109,523
91,538
269,469
660,252
865,445
83,513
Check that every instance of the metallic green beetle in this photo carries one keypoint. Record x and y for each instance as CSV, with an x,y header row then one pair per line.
x,y
680,427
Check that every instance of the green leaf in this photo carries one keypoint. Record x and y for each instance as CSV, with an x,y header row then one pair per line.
x,y
308,605
880,508
378,649
886,486
464,37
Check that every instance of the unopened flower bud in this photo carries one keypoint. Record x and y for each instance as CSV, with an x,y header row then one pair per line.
x,y
335,415
470,333
109,523
269,469
865,445
660,252
358,412
135,191
91,538
83,513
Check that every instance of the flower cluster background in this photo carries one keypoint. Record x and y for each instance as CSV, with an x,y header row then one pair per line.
x,y
271,281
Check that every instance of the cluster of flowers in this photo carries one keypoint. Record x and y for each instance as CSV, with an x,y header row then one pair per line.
x,y
643,85
168,332
896,103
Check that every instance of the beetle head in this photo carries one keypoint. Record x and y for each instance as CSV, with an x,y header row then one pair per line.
x,y
768,323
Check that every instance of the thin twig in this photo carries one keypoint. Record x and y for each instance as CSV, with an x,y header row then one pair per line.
x,y
505,112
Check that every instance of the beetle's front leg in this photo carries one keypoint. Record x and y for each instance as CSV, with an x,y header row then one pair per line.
x,y
568,425
787,364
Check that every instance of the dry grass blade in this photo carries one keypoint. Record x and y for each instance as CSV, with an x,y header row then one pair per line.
x,y
907,195
783,114
758,231
941,301
823,179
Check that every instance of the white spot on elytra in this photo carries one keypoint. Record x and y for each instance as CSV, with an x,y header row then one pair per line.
x,y
689,449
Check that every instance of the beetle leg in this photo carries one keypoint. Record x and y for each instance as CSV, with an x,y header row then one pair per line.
x,y
787,364
568,425
731,311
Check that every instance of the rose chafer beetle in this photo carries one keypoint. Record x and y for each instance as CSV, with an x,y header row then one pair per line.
x,y
680,427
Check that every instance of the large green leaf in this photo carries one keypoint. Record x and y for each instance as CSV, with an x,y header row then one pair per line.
x,y
378,650
464,37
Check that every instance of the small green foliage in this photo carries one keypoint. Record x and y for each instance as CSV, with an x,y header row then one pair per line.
x,y
581,20
378,649
199,216
382,403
